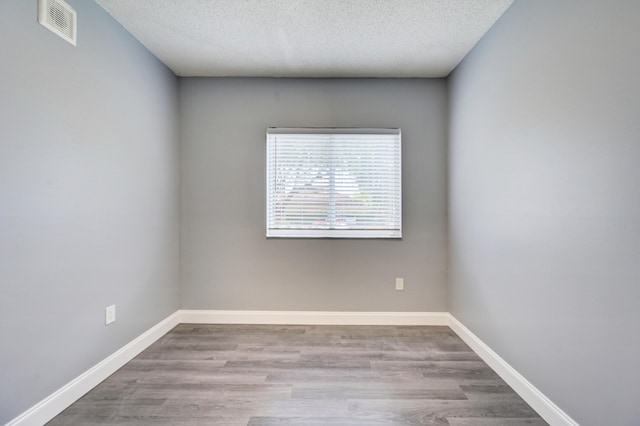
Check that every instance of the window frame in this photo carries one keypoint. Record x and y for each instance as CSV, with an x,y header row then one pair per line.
x,y
394,232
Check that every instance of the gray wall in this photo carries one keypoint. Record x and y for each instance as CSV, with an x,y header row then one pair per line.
x,y
88,198
227,263
545,201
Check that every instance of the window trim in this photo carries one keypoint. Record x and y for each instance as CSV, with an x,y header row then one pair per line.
x,y
335,233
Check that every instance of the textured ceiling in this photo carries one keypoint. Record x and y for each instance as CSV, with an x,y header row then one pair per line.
x,y
308,38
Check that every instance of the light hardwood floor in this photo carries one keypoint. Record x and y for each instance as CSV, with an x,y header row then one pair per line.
x,y
303,375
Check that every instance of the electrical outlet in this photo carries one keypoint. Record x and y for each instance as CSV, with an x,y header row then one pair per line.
x,y
399,283
110,314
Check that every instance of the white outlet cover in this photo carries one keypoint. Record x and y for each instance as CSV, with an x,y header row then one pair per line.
x,y
399,283
110,314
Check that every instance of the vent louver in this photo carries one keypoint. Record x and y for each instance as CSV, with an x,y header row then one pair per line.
x,y
59,17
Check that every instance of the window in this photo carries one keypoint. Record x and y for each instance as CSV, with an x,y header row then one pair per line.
x,y
334,183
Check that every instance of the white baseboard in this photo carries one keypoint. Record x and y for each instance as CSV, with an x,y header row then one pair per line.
x,y
314,317
55,403
536,399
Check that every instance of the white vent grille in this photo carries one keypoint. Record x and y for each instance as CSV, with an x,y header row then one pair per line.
x,y
59,17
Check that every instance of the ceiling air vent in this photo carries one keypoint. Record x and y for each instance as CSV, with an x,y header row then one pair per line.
x,y
59,17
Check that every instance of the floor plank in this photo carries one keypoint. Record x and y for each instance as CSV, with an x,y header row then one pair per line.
x,y
239,375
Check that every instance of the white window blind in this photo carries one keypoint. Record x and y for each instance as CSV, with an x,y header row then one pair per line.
x,y
334,183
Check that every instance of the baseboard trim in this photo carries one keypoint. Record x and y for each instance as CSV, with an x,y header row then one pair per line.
x,y
314,317
527,391
58,401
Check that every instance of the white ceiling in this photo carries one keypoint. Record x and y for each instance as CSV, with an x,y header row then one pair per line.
x,y
308,38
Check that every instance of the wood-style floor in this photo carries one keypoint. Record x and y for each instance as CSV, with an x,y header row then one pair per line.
x,y
303,375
